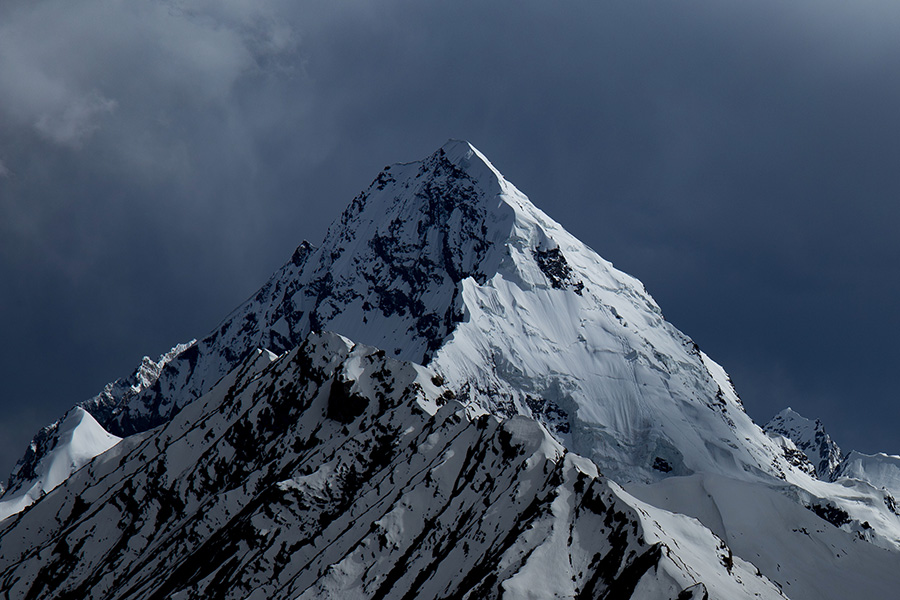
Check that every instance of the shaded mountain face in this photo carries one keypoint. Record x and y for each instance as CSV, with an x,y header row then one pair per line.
x,y
336,472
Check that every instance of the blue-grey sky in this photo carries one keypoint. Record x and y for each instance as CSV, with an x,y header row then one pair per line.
x,y
160,158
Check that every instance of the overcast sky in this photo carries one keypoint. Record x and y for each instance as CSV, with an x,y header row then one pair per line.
x,y
160,158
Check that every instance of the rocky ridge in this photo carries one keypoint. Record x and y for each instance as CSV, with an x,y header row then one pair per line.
x,y
335,472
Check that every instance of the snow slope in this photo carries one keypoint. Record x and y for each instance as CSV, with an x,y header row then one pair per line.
x,y
880,470
781,533
80,438
336,472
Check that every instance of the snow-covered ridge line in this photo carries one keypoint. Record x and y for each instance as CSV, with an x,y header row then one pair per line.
x,y
79,439
29,468
335,472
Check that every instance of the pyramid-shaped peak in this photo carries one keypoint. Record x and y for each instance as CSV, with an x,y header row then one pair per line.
x,y
454,190
456,176
454,148
810,437
789,414
790,419
468,158
455,160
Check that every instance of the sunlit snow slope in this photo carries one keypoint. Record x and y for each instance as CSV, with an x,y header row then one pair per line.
x,y
880,470
80,438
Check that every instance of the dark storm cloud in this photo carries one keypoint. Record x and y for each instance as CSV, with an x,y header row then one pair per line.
x,y
159,158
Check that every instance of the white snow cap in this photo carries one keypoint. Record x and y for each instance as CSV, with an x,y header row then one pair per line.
x,y
81,438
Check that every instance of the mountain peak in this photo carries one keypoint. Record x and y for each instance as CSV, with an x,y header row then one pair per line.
x,y
455,183
348,472
791,415
79,438
459,150
469,159
444,262
810,437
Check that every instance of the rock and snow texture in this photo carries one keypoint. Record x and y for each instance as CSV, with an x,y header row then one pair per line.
x,y
802,542
857,492
28,470
444,262
79,438
811,438
337,472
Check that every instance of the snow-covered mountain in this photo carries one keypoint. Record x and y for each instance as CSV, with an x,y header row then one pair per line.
x,y
300,478
811,438
337,472
79,438
444,262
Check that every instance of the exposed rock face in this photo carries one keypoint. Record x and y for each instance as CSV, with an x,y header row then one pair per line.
x,y
810,437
